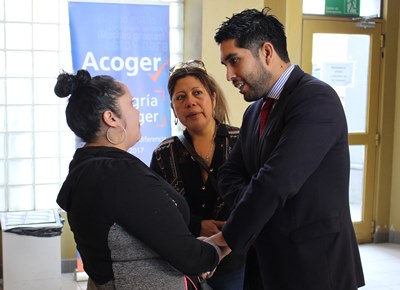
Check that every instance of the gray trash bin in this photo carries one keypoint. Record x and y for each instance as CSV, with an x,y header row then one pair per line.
x,y
31,245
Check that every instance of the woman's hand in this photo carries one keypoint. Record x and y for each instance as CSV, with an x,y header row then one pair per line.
x,y
210,227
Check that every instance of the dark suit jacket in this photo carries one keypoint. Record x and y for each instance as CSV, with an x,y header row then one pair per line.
x,y
290,191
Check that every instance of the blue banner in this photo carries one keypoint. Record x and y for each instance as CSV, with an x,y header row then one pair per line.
x,y
131,43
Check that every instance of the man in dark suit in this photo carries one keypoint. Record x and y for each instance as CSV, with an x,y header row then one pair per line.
x,y
288,185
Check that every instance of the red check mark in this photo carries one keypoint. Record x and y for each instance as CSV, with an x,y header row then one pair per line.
x,y
163,124
155,76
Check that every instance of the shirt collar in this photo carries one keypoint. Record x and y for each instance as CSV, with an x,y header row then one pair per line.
x,y
277,88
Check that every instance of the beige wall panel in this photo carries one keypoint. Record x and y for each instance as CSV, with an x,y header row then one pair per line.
x,y
395,190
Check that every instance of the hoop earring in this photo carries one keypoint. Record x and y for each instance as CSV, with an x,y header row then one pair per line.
x,y
176,121
115,142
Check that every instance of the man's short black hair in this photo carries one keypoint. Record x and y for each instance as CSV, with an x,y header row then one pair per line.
x,y
251,29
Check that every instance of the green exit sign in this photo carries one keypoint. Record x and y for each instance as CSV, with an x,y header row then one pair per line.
x,y
342,7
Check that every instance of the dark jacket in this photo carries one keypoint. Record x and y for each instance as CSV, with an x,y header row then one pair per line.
x,y
291,191
115,187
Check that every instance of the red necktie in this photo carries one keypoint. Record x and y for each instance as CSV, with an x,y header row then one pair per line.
x,y
265,109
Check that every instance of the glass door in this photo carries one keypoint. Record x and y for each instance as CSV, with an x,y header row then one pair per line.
x,y
348,58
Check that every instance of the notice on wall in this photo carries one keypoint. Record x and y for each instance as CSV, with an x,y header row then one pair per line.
x,y
338,73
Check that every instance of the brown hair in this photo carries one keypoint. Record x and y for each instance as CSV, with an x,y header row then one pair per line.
x,y
221,109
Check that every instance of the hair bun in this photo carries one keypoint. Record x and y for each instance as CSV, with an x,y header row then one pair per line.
x,y
82,77
64,84
68,83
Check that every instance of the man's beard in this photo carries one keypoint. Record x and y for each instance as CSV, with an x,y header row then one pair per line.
x,y
258,84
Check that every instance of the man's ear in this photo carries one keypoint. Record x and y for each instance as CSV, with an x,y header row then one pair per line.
x,y
109,119
267,52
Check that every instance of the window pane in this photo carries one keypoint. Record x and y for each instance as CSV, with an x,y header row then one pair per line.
x,y
20,145
20,197
46,144
176,15
2,119
65,39
45,37
19,118
46,64
41,10
63,12
63,122
20,10
18,36
19,64
2,146
46,170
176,41
370,8
45,118
64,167
67,144
357,153
43,91
2,172
2,64
314,7
175,58
19,91
342,60
20,172
1,10
1,35
2,92
2,199
46,195
65,62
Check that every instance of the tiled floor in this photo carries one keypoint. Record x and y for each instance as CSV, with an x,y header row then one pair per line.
x,y
381,263
69,283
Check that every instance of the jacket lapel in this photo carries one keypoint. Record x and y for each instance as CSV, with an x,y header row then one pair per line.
x,y
275,118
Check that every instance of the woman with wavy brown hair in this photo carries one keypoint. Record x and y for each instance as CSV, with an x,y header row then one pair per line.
x,y
190,162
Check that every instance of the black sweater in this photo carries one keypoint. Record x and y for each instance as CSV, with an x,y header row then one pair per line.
x,y
116,187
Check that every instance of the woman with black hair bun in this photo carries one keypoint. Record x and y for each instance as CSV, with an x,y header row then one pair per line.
x,y
129,225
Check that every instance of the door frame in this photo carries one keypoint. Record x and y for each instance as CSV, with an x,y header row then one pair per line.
x,y
370,139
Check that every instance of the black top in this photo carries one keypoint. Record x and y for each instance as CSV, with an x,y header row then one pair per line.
x,y
172,161
116,187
